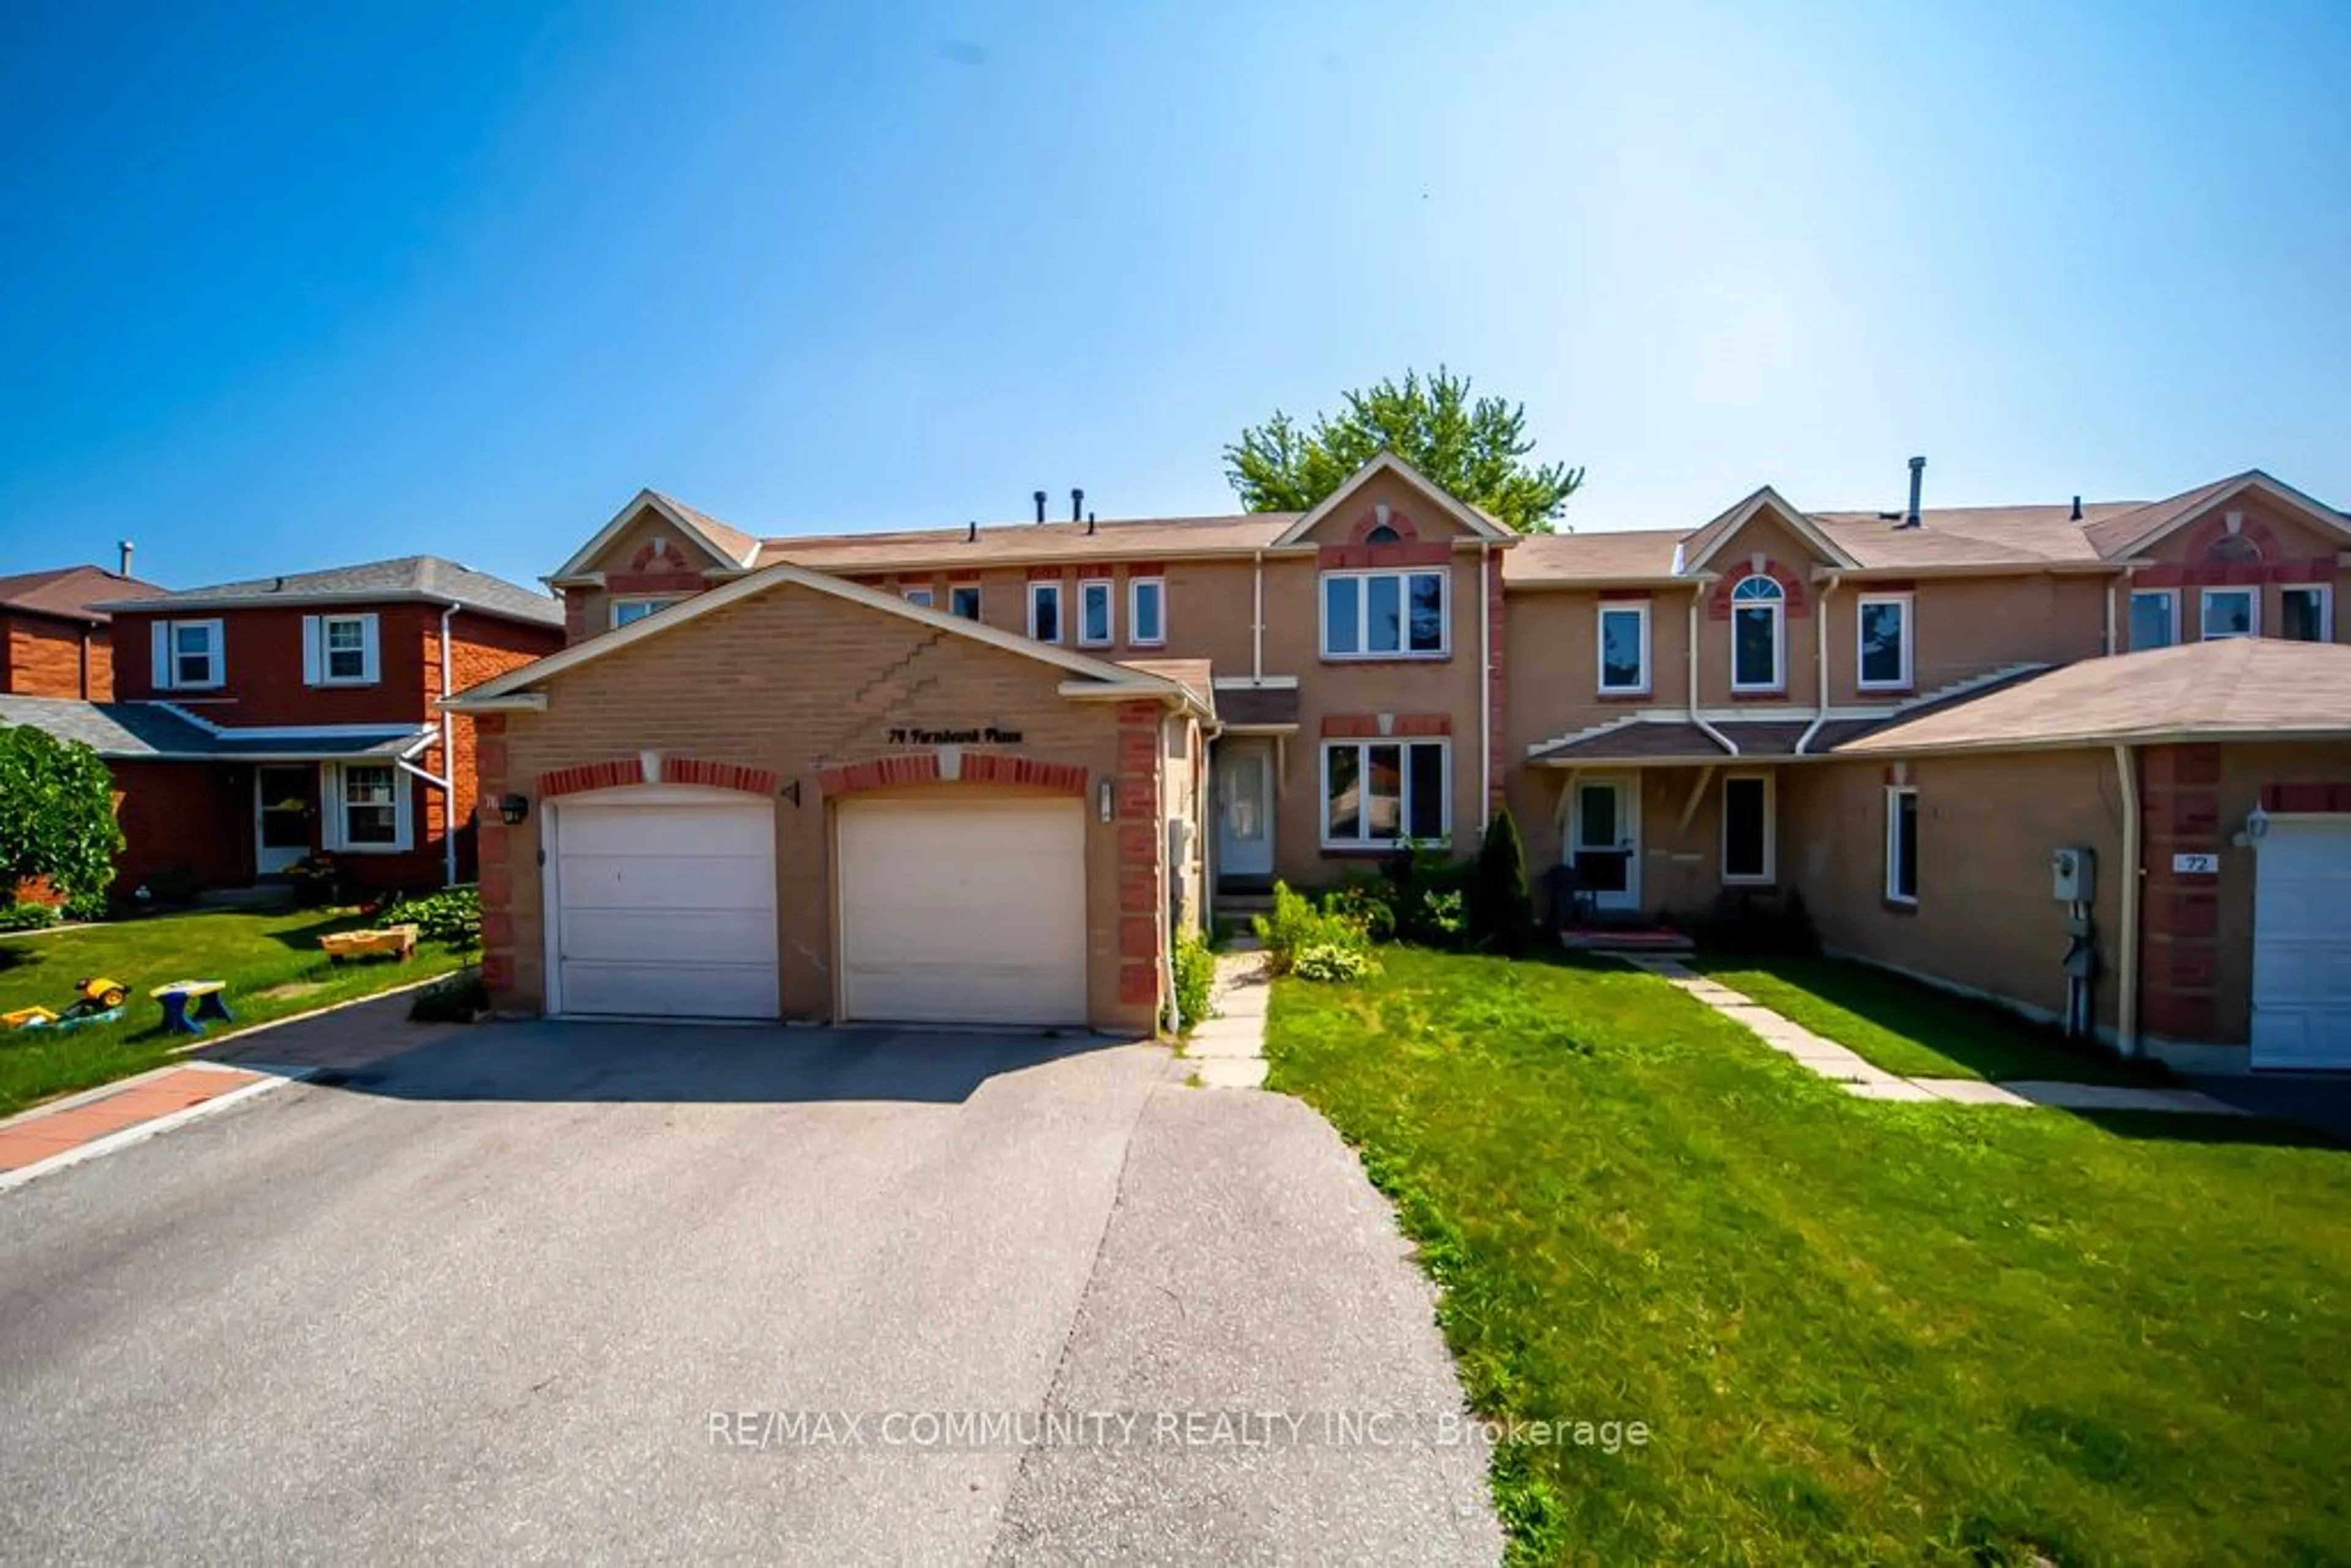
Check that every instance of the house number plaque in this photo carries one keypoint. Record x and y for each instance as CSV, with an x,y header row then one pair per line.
x,y
987,734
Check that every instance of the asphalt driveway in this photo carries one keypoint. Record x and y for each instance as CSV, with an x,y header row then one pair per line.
x,y
537,1291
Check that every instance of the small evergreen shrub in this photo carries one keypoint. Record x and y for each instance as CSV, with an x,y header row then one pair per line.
x,y
1297,925
453,916
1502,905
1332,964
1195,972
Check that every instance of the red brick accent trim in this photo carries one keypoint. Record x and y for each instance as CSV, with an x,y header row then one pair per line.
x,y
1356,557
612,775
978,768
1367,725
2215,529
2239,573
1044,574
1097,569
875,773
666,558
718,774
965,575
2307,796
1799,604
623,583
1369,520
1138,983
1625,596
995,768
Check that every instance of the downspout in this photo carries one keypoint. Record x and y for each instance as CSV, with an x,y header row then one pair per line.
x,y
1821,658
447,738
1729,747
1175,878
1485,688
2127,982
2113,583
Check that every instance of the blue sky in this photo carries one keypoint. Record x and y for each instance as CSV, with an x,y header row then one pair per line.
x,y
293,285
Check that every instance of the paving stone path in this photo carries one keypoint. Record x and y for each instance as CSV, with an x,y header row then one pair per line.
x,y
1842,1065
1227,1048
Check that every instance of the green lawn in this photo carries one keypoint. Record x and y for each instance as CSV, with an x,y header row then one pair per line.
x,y
1907,1027
1859,1332
271,962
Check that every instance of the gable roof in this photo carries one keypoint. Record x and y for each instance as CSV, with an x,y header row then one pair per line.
x,y
70,592
2143,526
2242,687
1477,523
426,579
722,541
1699,546
1111,679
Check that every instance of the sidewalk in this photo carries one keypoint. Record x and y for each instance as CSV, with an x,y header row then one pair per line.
x,y
1228,1045
80,1123
1861,1079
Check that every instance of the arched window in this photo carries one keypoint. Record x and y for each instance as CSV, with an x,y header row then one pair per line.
x,y
1758,605
1383,535
2232,547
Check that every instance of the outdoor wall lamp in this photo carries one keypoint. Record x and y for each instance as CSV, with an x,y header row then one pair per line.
x,y
512,810
1102,800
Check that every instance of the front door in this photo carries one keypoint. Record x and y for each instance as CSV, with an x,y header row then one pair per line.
x,y
1245,807
1604,842
286,802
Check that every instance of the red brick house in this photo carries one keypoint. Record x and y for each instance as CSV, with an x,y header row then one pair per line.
x,y
54,642
257,724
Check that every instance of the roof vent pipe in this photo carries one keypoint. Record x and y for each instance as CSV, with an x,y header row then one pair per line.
x,y
1090,525
971,531
1077,506
122,549
1040,505
1917,478
2077,508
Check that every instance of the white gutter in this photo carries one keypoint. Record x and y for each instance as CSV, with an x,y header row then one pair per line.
x,y
1257,616
1821,658
2126,980
1724,741
447,741
1485,688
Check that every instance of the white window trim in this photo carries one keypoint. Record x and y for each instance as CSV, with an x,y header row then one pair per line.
x,y
1107,592
659,602
1038,591
336,831
1906,680
1404,576
977,599
319,651
1640,688
2170,596
1134,587
1894,792
1770,872
1778,609
2204,612
2325,591
1403,783
165,666
922,598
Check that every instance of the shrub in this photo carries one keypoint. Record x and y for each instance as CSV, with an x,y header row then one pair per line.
x,y
27,916
57,813
1441,918
1195,972
1297,925
1370,903
453,916
1332,964
456,999
1501,906
88,906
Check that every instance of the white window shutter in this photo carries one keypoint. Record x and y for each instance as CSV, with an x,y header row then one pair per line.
x,y
312,655
331,807
217,640
370,665
163,630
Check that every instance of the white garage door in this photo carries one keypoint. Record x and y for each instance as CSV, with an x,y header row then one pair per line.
x,y
666,907
2302,945
963,912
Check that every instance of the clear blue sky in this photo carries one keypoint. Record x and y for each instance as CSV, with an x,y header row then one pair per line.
x,y
292,285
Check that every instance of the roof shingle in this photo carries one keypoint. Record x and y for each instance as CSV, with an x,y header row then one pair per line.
x,y
416,577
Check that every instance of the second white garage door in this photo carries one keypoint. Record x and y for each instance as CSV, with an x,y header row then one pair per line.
x,y
665,906
962,911
2302,945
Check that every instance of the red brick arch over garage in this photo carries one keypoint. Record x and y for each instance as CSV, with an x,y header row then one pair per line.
x,y
623,771
976,768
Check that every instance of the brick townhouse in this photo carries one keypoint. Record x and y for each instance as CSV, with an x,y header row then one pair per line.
x,y
55,640
984,773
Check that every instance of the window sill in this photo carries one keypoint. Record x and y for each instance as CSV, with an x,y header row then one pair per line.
x,y
1889,689
1381,850
1140,643
1899,906
1386,658
1765,880
1758,693
1625,695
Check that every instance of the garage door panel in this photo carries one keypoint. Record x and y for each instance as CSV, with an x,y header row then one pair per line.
x,y
644,882
680,936
2302,945
667,908
670,990
967,912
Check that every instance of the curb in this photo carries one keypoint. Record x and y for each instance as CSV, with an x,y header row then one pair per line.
x,y
248,1031
138,1133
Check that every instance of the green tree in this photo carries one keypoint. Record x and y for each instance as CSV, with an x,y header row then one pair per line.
x,y
1476,448
57,813
1501,902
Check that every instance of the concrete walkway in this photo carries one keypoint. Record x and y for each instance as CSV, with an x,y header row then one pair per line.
x,y
1227,1047
1860,1078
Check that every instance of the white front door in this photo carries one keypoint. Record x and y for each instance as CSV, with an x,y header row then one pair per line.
x,y
2301,944
285,802
1604,841
1245,807
963,912
664,903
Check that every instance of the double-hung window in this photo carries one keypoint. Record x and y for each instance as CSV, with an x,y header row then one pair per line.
x,y
1383,614
1147,611
1045,611
1884,639
1757,610
921,598
629,612
1624,649
2306,613
340,650
1377,794
189,655
962,601
1902,844
1097,602
369,804
2231,612
2154,618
